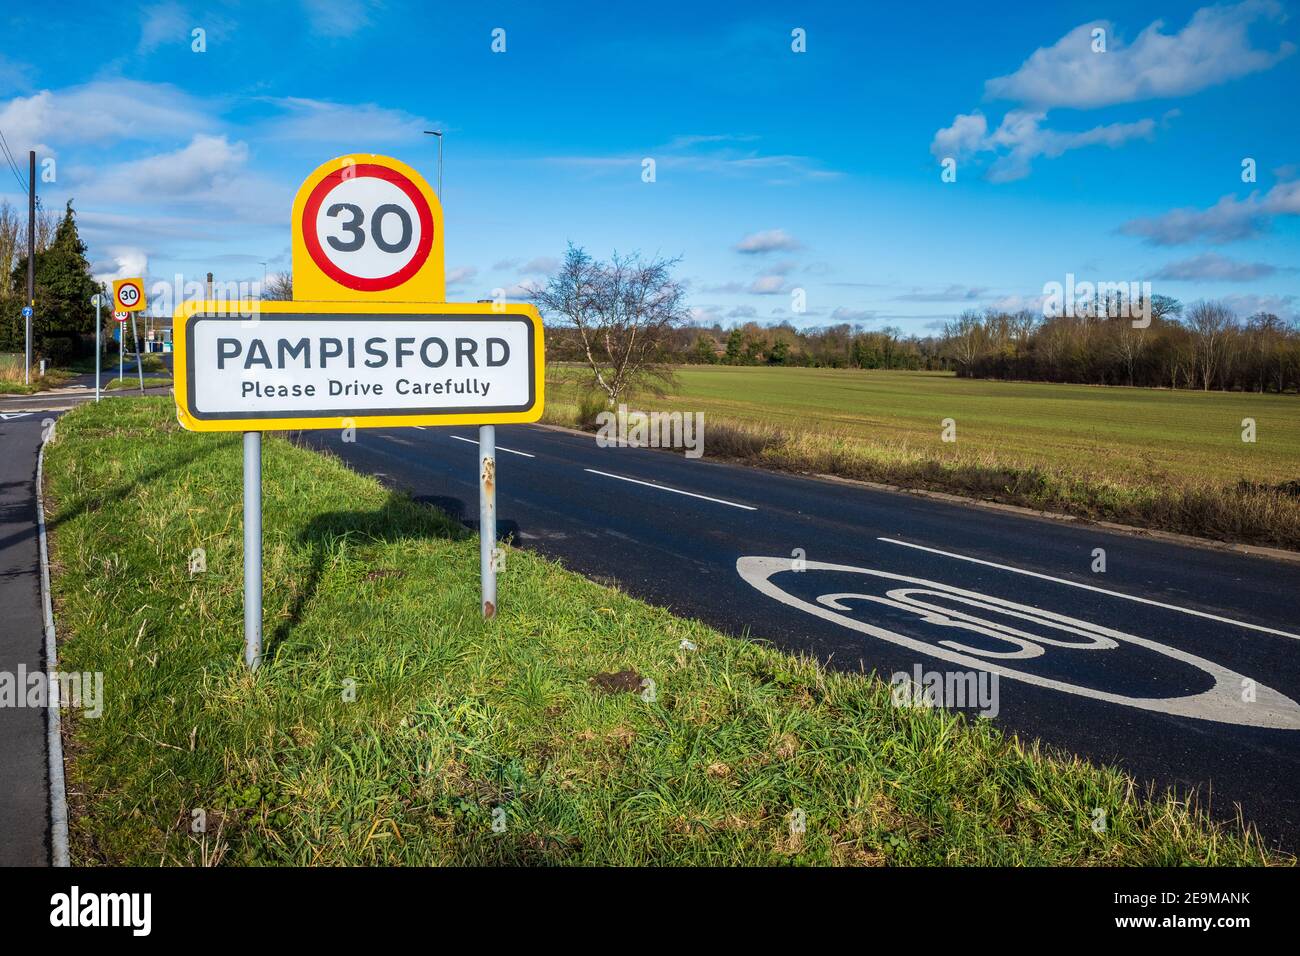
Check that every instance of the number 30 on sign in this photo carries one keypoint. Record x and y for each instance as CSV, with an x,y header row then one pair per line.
x,y
367,228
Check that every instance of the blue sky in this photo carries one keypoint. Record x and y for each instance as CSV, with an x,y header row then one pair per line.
x,y
775,170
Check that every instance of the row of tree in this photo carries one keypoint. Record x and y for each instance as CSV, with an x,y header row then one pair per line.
x,y
64,317
626,322
831,346
1205,345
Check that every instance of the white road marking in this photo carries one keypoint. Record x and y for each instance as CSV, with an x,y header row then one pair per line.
x,y
676,491
421,427
1090,587
9,416
474,441
1223,702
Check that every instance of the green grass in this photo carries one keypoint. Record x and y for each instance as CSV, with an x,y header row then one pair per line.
x,y
130,381
454,716
1173,460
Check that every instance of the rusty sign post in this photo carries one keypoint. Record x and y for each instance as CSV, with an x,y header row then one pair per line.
x,y
487,518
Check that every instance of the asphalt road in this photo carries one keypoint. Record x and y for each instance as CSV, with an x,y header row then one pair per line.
x,y
1179,663
24,780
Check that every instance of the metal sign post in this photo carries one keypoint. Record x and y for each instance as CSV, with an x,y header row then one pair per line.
x,y
487,517
139,365
27,346
252,549
99,325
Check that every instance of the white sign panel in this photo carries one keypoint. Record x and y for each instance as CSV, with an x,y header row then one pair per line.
x,y
315,365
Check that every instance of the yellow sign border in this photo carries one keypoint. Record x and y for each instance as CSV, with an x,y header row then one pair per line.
x,y
139,306
248,311
311,284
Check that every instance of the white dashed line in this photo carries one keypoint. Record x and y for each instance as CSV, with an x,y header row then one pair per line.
x,y
1090,587
676,491
474,441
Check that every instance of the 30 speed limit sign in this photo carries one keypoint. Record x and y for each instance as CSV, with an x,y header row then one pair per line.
x,y
367,228
128,295
121,316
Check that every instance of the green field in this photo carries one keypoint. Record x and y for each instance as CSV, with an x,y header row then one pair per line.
x,y
1160,458
391,724
1120,431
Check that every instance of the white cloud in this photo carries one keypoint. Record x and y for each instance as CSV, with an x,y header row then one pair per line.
x,y
102,112
953,293
205,169
705,314
1212,267
1248,304
771,240
163,23
1017,303
461,275
337,18
321,121
523,290
1021,138
768,285
542,265
683,155
1228,220
122,262
1214,47
967,134
843,314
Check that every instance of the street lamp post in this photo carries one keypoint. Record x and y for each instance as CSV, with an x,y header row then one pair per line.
x,y
437,133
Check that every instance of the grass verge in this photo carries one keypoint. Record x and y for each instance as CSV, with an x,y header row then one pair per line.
x,y
128,381
390,724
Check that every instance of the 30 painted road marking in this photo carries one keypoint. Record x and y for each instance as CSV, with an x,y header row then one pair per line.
x,y
1091,587
474,441
676,491
1224,702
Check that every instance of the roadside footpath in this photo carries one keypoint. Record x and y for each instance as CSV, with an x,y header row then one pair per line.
x,y
24,780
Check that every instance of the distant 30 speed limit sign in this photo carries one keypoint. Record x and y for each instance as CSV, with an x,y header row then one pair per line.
x,y
128,295
368,227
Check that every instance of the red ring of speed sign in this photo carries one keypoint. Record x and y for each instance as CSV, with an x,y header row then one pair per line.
x,y
312,208
121,316
132,286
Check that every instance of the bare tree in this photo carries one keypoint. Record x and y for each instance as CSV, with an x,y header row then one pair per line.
x,y
624,313
1211,325
967,339
279,286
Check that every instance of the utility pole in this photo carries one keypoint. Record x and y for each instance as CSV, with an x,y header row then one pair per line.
x,y
31,262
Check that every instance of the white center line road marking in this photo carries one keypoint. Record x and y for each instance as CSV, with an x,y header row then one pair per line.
x,y
676,491
1089,587
474,441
